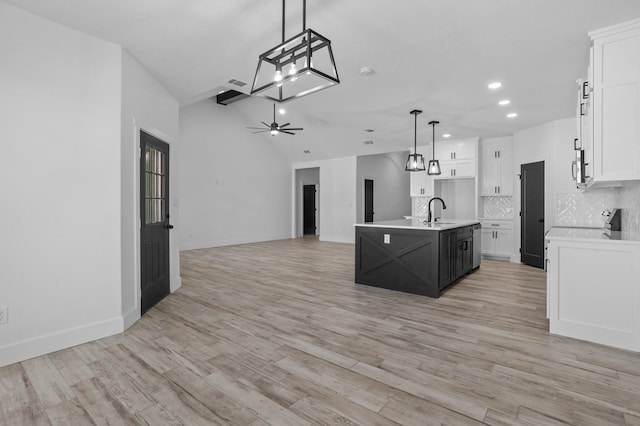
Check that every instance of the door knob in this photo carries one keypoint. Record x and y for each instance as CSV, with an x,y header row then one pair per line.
x,y
168,226
541,220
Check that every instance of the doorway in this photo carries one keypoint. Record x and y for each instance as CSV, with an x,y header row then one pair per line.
x,y
154,220
368,200
532,214
309,209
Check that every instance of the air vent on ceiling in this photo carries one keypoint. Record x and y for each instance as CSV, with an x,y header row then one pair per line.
x,y
368,142
230,96
236,82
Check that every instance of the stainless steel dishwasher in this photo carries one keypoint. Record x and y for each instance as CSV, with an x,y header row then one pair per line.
x,y
477,245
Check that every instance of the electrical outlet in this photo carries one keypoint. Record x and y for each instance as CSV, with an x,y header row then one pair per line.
x,y
4,311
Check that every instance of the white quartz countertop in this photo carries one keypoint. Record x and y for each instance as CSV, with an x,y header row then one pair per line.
x,y
592,235
420,223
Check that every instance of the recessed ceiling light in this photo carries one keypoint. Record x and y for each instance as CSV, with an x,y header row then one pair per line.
x,y
512,115
495,85
366,71
504,102
282,111
446,135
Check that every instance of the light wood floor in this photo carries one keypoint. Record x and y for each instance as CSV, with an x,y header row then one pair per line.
x,y
277,333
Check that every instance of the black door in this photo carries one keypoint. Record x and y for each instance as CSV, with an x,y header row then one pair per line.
x,y
309,209
154,212
368,200
532,214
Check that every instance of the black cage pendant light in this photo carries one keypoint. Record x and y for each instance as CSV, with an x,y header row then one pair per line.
x,y
415,161
296,67
434,165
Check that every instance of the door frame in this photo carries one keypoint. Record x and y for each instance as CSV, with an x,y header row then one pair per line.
x,y
521,218
175,281
365,178
316,200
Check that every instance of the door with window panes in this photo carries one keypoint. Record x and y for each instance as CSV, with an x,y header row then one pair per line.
x,y
155,226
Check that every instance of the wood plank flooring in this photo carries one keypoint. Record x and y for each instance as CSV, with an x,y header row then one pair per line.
x,y
277,333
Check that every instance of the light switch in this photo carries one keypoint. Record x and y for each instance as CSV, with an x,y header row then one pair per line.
x,y
387,238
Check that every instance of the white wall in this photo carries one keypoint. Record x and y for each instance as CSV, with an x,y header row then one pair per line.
x,y
235,186
145,105
59,185
391,198
337,197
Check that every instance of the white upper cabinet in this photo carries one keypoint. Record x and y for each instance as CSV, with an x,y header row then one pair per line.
x,y
616,102
463,149
458,158
421,184
496,171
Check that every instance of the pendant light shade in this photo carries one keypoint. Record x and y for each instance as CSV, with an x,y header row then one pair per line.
x,y
415,161
279,76
434,165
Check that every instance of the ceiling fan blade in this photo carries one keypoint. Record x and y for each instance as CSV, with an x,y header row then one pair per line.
x,y
266,124
262,131
287,132
284,125
294,128
256,128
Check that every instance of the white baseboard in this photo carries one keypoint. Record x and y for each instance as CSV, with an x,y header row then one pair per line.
x,y
30,348
130,318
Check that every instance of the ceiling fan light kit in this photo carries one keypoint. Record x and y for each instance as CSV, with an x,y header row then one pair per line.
x,y
297,67
434,165
415,161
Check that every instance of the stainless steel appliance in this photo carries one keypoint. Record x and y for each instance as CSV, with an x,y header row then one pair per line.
x,y
477,246
612,221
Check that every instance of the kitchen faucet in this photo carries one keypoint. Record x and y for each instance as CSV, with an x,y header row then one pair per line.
x,y
444,207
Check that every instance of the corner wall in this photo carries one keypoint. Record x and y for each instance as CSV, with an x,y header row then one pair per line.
x,y
148,106
60,118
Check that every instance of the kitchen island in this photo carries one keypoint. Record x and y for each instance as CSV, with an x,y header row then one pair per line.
x,y
413,255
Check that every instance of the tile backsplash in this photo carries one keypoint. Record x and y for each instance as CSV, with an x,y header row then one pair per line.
x,y
584,208
497,207
629,201
420,206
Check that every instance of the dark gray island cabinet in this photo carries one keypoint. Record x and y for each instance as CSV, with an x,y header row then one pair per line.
x,y
411,256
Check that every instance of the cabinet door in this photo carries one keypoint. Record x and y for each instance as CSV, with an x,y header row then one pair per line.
x,y
488,177
463,256
465,168
418,184
488,243
616,99
455,150
504,242
504,169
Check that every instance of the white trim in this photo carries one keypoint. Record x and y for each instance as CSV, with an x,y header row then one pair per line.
x,y
30,348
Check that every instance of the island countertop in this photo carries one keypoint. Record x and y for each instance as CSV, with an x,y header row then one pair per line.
x,y
420,224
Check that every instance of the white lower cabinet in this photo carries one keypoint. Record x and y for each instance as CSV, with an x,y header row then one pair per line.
x,y
421,184
594,291
497,238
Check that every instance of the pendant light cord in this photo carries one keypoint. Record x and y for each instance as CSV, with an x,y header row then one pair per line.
x,y
433,143
415,134
283,1
304,15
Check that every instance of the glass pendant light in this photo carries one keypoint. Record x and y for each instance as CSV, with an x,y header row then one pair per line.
x,y
415,161
434,165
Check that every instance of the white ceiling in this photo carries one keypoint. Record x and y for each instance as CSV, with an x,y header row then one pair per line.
x,y
436,55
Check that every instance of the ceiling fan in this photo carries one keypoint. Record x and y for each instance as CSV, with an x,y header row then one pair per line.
x,y
274,127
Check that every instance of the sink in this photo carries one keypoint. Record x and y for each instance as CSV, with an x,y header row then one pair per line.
x,y
437,223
